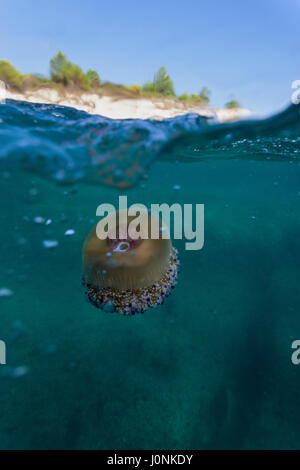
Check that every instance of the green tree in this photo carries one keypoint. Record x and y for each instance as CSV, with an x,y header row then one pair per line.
x,y
64,71
163,82
58,65
232,104
10,75
204,94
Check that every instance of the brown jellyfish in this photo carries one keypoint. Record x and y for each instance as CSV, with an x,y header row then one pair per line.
x,y
127,275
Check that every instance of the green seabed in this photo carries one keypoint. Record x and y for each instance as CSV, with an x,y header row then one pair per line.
x,y
210,368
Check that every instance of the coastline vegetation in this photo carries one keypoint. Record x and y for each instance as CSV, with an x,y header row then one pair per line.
x,y
65,76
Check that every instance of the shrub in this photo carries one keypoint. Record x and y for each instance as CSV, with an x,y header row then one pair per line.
x,y
192,98
184,97
232,104
93,78
135,89
150,87
10,75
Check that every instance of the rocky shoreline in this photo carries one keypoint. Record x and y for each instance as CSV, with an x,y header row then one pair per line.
x,y
126,108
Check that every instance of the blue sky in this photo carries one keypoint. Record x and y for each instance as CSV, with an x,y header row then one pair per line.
x,y
247,49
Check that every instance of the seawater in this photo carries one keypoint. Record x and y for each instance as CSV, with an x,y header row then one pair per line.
x,y
209,369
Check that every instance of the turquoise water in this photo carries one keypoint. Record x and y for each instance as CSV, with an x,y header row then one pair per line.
x,y
210,368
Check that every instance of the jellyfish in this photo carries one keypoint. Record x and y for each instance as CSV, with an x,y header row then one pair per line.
x,y
128,275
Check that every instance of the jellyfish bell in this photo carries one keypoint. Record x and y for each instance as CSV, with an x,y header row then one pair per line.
x,y
128,271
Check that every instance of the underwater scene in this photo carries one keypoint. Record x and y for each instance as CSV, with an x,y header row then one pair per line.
x,y
206,367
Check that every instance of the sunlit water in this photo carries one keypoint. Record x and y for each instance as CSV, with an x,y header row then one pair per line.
x,y
211,367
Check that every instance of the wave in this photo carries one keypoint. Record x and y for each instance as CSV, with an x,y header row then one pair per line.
x,y
68,145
